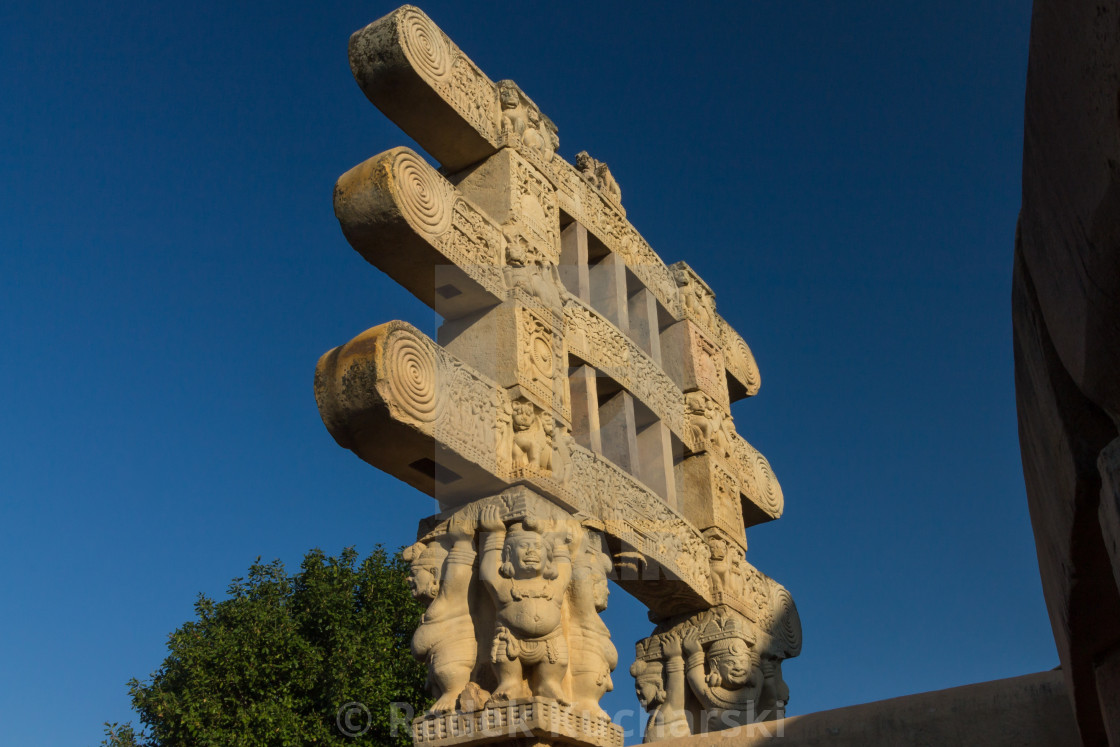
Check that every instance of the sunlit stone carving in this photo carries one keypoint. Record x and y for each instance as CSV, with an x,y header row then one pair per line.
x,y
573,422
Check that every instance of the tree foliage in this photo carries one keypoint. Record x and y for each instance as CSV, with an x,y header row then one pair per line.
x,y
308,659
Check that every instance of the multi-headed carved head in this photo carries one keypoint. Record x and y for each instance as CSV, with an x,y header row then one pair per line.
x,y
527,554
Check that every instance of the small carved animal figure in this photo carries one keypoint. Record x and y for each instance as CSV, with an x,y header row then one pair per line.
x,y
513,113
553,139
528,435
720,566
607,183
586,165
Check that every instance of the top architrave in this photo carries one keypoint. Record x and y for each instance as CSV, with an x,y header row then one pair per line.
x,y
410,70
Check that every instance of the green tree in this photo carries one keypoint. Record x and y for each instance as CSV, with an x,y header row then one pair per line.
x,y
316,658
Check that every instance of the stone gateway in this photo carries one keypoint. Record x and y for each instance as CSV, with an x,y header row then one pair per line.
x,y
572,419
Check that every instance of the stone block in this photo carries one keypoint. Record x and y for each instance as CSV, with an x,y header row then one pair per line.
x,y
517,343
709,496
694,361
518,197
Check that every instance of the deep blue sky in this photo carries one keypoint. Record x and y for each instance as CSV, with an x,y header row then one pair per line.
x,y
844,175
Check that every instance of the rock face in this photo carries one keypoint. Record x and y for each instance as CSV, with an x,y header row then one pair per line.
x,y
1066,312
572,419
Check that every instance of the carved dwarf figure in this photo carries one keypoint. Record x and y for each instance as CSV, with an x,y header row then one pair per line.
x,y
729,690
594,657
660,687
775,692
527,575
445,639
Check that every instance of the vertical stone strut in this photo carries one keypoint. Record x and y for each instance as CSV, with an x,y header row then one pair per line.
x,y
572,419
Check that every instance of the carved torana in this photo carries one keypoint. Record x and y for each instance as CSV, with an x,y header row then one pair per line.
x,y
572,419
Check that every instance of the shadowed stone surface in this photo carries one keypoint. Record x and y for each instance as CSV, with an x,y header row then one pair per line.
x,y
1028,711
1066,315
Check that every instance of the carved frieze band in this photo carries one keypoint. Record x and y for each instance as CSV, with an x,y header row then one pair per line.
x,y
595,340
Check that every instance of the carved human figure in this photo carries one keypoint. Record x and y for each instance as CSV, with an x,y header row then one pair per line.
x,y
660,686
696,302
513,113
729,689
594,657
504,429
526,574
696,404
445,639
562,464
